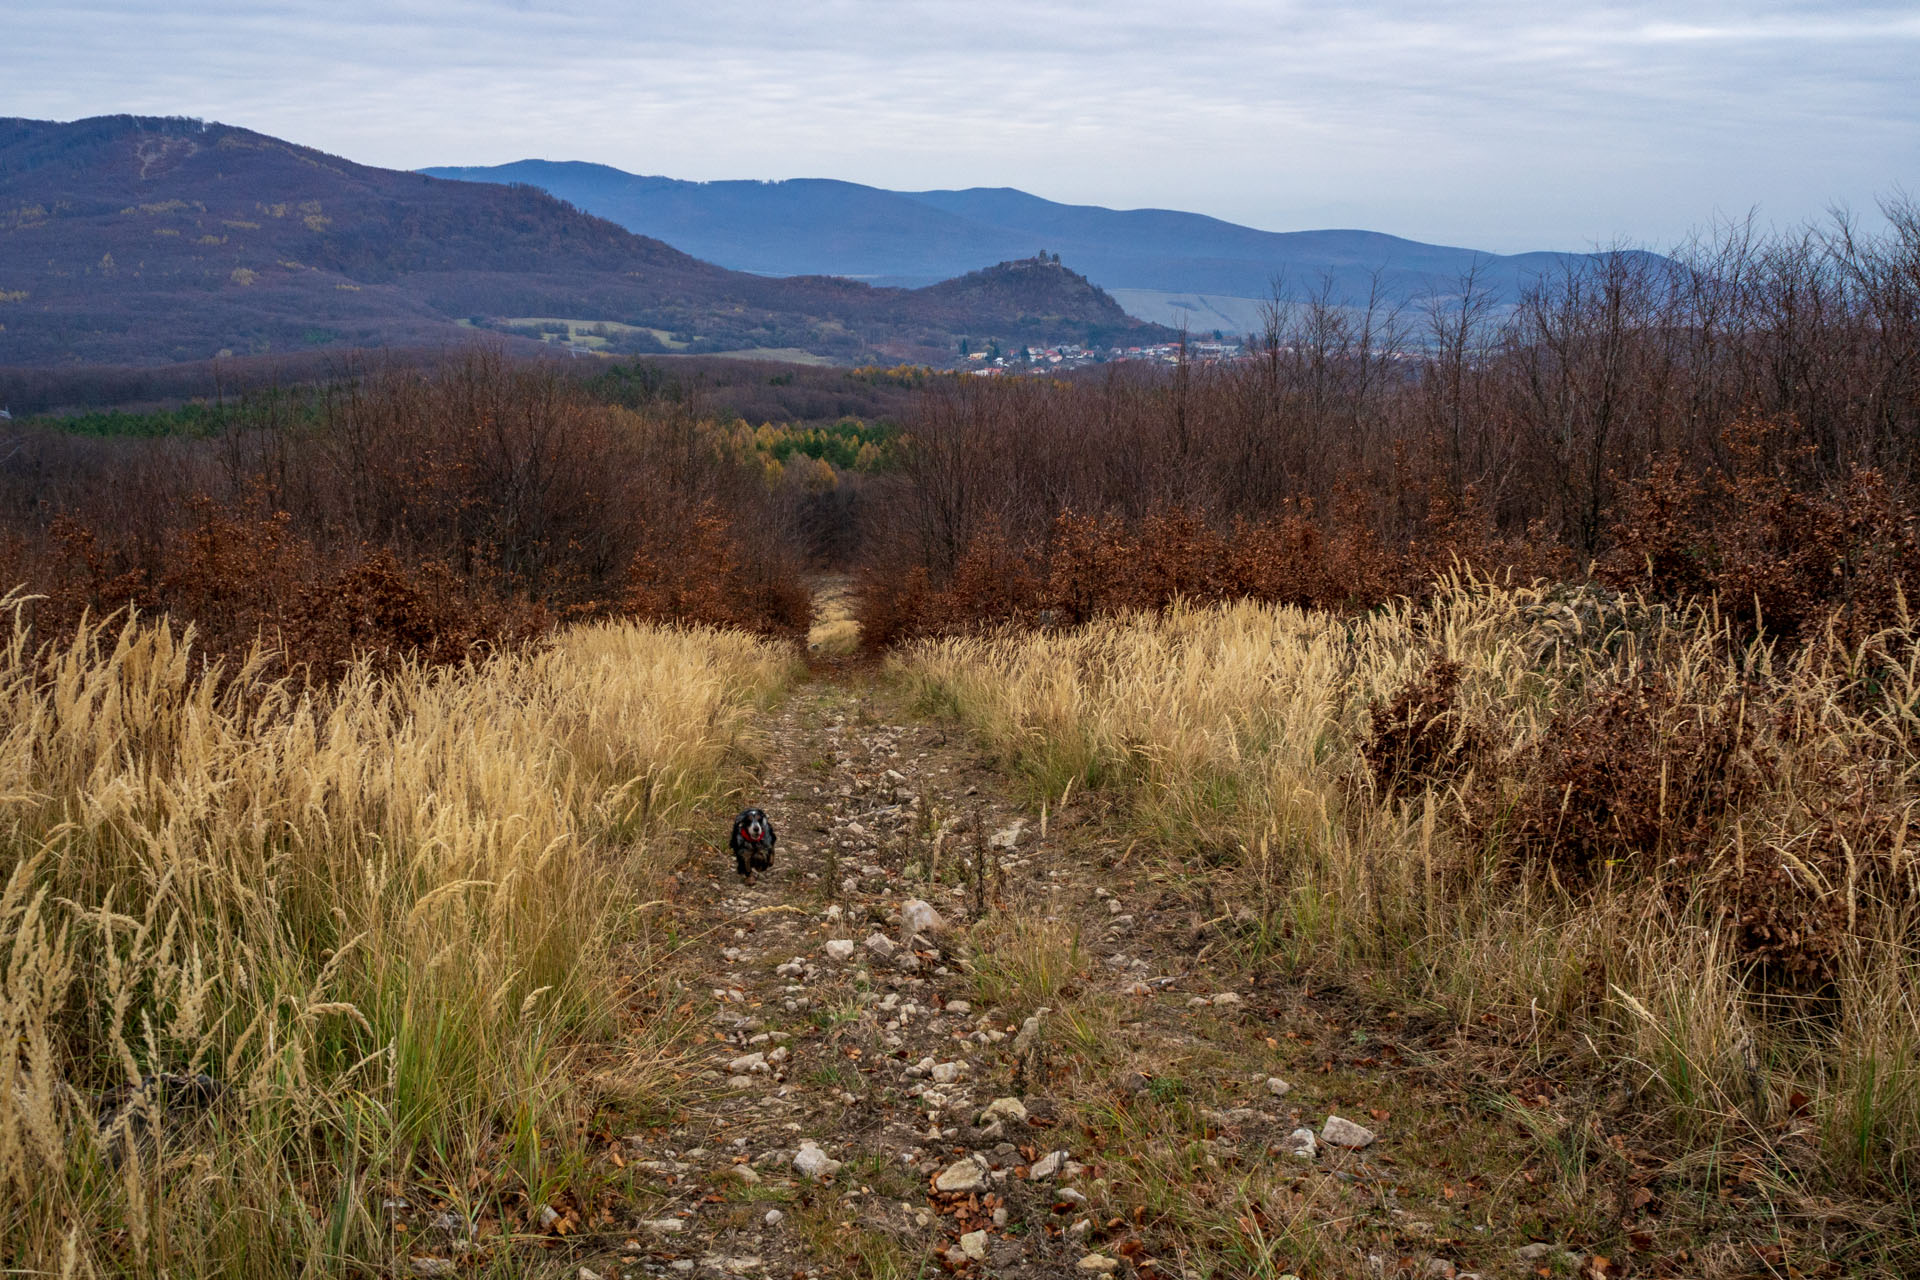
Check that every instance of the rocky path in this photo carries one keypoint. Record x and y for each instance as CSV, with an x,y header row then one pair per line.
x,y
949,1034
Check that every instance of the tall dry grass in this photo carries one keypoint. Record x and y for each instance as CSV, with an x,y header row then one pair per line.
x,y
380,918
1598,821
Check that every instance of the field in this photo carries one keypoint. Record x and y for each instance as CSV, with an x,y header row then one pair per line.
x,y
595,334
1667,868
389,941
1386,808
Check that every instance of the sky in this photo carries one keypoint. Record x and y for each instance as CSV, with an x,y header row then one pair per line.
x,y
1495,124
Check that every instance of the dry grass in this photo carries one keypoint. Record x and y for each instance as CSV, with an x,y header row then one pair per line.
x,y
835,632
380,918
1589,821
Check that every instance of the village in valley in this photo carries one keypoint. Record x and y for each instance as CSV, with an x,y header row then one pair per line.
x,y
1218,349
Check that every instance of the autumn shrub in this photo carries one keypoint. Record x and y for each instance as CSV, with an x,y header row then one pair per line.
x,y
1783,550
1634,774
1419,738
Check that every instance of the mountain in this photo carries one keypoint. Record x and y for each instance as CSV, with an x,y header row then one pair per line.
x,y
128,238
1151,257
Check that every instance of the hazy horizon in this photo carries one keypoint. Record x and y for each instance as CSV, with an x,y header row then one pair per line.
x,y
1482,124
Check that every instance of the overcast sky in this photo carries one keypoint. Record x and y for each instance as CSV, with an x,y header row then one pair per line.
x,y
1498,124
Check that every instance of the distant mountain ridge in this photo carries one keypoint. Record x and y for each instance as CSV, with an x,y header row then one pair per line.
x,y
827,227
146,239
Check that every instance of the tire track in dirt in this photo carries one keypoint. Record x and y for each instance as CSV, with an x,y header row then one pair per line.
x,y
1066,1079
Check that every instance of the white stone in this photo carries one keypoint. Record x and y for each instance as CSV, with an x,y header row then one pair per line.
x,y
811,1162
959,1007
974,1245
881,945
774,1218
1300,1144
748,1064
960,1177
919,919
1098,1264
1226,999
948,1072
1277,1087
1047,1165
839,948
664,1226
1005,1109
1029,1032
1008,837
1337,1132
744,1173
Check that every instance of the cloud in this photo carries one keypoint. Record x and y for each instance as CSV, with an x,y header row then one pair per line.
x,y
1492,123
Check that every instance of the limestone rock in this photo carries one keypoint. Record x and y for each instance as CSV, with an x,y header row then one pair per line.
x,y
1337,1132
1005,1109
811,1162
961,1177
1029,1032
919,920
1047,1165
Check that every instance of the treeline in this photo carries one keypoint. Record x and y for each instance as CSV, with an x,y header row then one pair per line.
x,y
756,390
406,512
1742,417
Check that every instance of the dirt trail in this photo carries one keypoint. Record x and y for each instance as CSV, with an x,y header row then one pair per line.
x,y
880,1104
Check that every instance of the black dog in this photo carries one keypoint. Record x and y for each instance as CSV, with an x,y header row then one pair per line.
x,y
752,843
